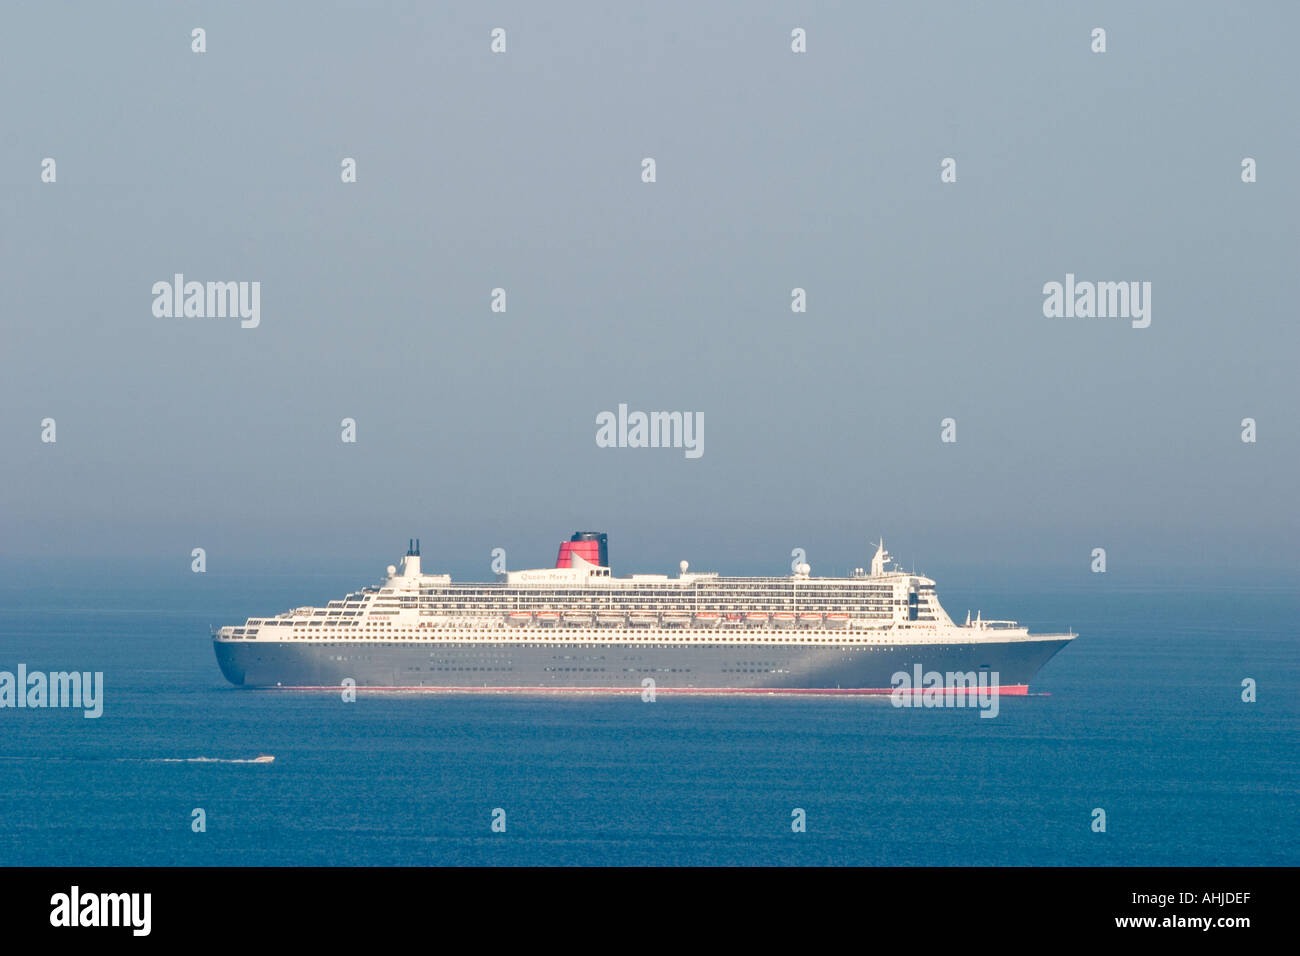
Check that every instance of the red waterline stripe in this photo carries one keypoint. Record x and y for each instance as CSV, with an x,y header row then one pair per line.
x,y
1008,690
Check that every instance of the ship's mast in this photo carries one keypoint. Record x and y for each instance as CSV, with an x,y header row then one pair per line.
x,y
880,560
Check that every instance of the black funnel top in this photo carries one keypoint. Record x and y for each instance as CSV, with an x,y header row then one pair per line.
x,y
599,536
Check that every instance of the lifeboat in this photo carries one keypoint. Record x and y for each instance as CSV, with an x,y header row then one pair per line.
x,y
610,618
733,620
837,620
707,619
643,618
676,618
809,619
549,618
519,618
756,619
783,619
576,618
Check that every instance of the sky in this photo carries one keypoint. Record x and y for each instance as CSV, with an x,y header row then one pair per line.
x,y
774,170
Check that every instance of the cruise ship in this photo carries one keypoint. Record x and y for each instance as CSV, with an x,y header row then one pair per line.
x,y
577,627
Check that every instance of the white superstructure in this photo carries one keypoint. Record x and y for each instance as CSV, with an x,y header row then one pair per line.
x,y
584,603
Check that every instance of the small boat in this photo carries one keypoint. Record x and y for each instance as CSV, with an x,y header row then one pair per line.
x,y
549,618
519,618
837,620
263,758
676,618
756,618
577,618
783,619
809,619
610,618
707,619
643,618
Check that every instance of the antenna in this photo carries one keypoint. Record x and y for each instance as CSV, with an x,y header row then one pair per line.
x,y
417,547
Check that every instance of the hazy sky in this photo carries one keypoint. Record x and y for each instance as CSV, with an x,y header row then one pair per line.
x,y
775,170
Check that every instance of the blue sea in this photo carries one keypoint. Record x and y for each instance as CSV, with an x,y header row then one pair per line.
x,y
1142,717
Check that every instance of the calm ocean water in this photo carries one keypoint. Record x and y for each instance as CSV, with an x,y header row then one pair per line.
x,y
1142,716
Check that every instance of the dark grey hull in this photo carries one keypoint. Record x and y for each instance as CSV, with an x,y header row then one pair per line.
x,y
621,667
